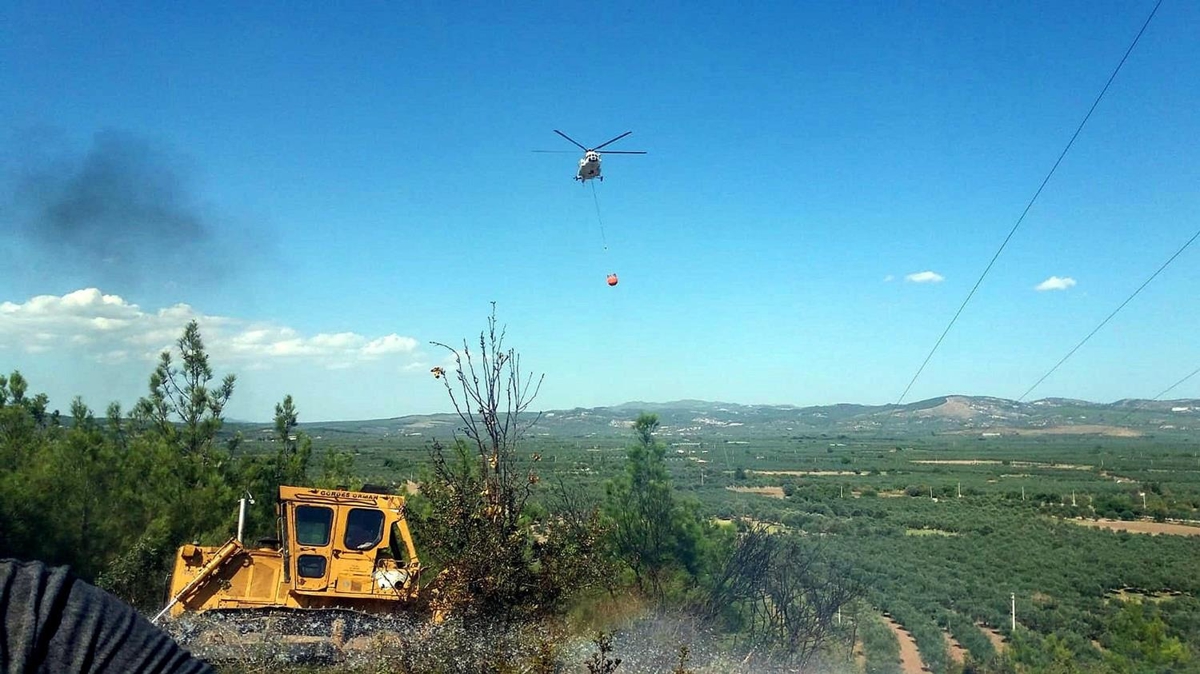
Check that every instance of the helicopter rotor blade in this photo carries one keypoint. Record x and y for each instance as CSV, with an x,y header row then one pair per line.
x,y
619,152
613,140
555,151
573,141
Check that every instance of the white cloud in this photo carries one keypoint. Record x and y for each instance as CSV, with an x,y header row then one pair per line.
x,y
925,277
888,279
109,329
392,343
1055,283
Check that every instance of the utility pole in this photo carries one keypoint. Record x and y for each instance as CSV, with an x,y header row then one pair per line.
x,y
1014,612
1143,499
1072,498
960,489
1022,493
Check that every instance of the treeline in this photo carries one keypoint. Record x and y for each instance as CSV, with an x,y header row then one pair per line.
x,y
114,494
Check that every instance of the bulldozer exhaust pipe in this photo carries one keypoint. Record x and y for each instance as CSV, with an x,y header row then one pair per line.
x,y
246,498
241,520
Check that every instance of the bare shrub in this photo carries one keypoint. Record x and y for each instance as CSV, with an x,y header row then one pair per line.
x,y
783,593
498,560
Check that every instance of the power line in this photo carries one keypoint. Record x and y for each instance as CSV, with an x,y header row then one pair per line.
x,y
1031,202
1110,316
1172,386
1161,394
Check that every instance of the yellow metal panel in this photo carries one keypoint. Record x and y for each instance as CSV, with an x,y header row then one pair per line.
x,y
239,581
264,583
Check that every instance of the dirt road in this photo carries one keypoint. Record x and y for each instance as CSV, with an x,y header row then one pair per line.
x,y
910,657
1142,527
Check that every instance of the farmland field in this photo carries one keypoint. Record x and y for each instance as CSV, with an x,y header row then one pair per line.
x,y
974,525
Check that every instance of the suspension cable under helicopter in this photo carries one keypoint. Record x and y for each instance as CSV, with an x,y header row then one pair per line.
x,y
599,219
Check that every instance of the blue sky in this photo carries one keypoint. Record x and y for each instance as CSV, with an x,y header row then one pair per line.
x,y
343,186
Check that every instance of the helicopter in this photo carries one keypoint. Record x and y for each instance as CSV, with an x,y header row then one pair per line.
x,y
589,166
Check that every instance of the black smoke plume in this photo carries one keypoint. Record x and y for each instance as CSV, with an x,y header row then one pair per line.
x,y
121,214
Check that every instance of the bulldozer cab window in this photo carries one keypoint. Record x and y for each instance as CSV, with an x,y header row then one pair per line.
x,y
396,545
313,524
364,529
311,566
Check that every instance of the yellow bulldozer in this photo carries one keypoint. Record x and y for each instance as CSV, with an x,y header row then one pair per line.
x,y
340,555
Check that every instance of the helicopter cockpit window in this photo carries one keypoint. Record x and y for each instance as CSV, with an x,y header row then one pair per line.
x,y
364,529
313,524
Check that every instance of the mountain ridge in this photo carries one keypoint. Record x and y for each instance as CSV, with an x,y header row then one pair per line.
x,y
942,414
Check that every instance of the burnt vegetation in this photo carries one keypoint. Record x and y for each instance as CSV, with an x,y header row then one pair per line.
x,y
783,594
499,558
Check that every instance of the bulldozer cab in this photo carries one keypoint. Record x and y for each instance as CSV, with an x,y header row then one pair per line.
x,y
339,538
336,548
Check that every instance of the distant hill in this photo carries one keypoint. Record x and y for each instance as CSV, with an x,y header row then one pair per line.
x,y
957,414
